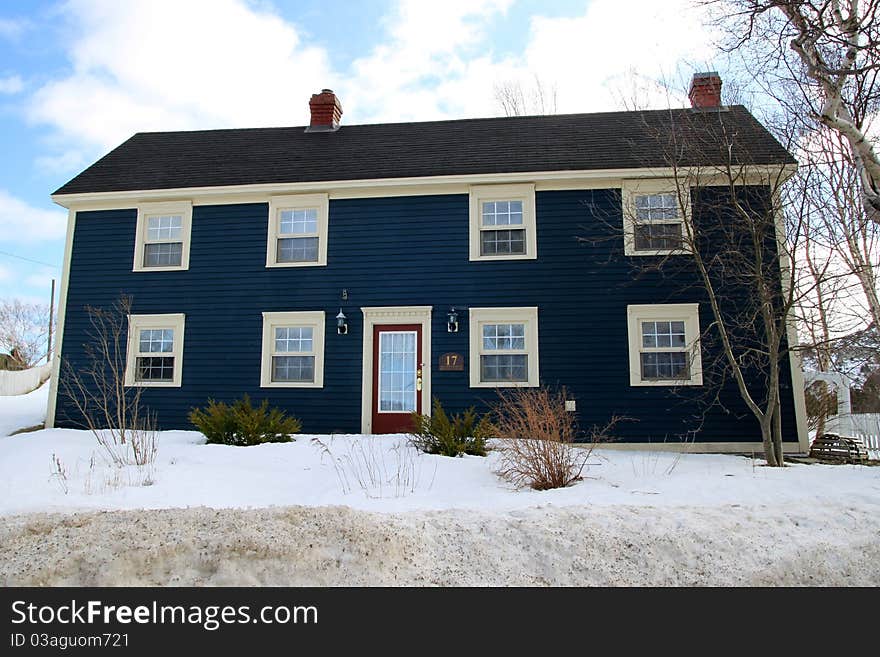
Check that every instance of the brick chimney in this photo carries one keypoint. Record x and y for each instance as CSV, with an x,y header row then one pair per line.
x,y
326,112
705,90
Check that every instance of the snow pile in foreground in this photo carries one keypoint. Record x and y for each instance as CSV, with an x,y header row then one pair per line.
x,y
23,411
383,473
824,544
371,510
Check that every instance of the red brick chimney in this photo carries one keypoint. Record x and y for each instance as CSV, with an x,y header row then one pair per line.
x,y
705,90
326,112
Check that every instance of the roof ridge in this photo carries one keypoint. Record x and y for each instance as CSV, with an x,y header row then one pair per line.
x,y
477,119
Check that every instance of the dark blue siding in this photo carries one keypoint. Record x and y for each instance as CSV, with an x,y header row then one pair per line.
x,y
392,252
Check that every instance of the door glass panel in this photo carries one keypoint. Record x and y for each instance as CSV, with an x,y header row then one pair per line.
x,y
397,371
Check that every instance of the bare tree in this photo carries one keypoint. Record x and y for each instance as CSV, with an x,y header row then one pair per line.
x,y
24,331
740,231
516,99
112,411
830,51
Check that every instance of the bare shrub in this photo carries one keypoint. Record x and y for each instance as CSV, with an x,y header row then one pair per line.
x,y
59,473
123,427
536,439
366,463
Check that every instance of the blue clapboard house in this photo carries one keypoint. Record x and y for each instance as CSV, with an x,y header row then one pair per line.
x,y
351,273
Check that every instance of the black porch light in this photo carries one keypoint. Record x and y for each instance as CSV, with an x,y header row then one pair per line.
x,y
341,324
452,321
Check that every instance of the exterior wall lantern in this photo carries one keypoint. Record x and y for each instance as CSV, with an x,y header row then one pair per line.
x,y
341,324
452,321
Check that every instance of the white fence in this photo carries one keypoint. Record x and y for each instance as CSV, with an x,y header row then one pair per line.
x,y
18,383
864,425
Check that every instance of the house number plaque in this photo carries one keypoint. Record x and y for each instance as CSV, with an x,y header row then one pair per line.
x,y
451,363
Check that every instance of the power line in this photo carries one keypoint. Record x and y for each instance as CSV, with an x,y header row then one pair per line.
x,y
38,262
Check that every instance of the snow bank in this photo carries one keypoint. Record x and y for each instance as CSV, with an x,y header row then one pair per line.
x,y
331,546
23,411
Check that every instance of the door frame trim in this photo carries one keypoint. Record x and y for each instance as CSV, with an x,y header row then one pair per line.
x,y
374,315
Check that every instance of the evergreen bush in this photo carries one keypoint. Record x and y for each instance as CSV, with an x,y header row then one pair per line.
x,y
463,433
242,425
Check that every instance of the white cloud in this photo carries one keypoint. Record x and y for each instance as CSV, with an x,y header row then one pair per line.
x,y
166,65
23,223
60,164
42,278
11,28
11,84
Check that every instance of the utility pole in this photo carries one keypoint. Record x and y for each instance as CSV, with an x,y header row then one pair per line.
x,y
51,315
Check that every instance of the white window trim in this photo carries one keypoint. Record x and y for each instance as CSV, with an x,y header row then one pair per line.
x,y
145,210
524,193
136,323
320,202
527,315
271,320
632,188
689,313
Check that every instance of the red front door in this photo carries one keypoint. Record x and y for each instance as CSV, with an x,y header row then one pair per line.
x,y
397,376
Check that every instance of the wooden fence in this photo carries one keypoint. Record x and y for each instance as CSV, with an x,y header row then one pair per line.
x,y
22,381
865,426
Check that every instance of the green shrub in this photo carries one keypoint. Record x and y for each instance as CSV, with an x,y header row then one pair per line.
x,y
464,433
241,424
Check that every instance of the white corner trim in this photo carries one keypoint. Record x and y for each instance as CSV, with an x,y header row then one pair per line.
x,y
377,315
173,321
521,192
313,319
527,315
52,406
689,313
630,188
318,202
145,210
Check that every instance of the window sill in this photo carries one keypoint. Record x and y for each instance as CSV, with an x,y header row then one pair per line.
x,y
148,269
295,264
500,384
291,385
492,258
153,384
657,252
666,383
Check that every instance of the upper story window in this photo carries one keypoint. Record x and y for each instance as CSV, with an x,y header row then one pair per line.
x,y
664,344
502,222
293,350
654,216
297,231
155,350
504,347
162,236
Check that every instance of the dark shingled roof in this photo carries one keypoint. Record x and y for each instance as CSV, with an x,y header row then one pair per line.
x,y
563,142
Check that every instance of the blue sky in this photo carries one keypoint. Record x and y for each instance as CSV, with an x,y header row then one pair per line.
x,y
79,77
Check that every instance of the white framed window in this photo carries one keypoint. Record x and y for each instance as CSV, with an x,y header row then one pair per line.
x,y
503,347
664,345
297,230
293,350
154,356
502,222
654,216
162,236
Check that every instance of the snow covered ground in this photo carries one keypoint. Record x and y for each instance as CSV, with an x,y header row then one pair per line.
x,y
206,516
384,474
